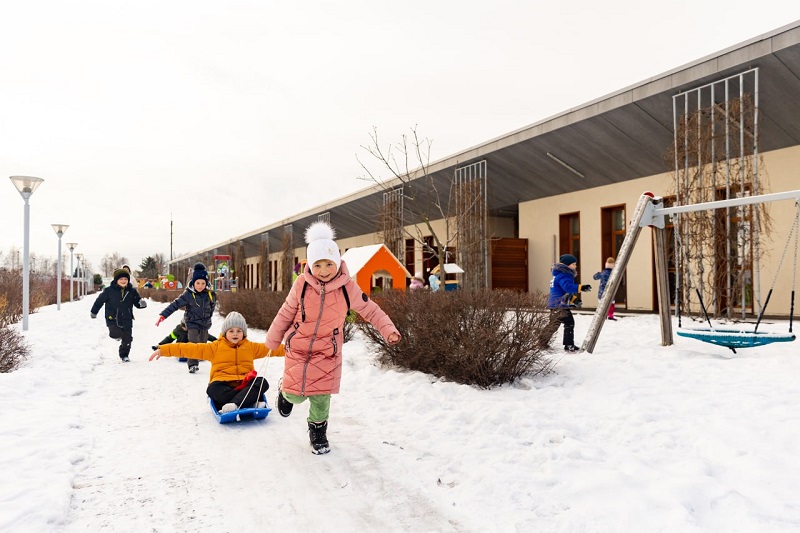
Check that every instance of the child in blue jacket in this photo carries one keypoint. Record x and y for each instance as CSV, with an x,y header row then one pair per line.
x,y
565,295
199,302
603,276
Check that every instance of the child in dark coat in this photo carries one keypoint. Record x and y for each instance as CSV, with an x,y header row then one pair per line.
x,y
180,334
603,276
199,302
119,299
565,295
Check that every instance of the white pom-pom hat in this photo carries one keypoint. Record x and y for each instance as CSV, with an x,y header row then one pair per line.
x,y
319,237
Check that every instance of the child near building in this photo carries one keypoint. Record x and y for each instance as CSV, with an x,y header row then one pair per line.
x,y
603,276
565,295
233,383
199,301
314,314
119,299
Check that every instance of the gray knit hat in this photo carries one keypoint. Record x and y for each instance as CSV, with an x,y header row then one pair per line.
x,y
234,320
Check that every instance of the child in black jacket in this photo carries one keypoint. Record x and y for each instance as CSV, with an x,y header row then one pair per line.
x,y
199,302
180,334
119,299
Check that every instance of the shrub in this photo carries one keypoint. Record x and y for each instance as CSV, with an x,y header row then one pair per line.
x,y
13,349
257,306
10,296
482,338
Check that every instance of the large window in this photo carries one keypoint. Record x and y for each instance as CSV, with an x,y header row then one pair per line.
x,y
613,229
569,235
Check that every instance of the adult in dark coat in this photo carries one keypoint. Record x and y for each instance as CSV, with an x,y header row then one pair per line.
x,y
119,299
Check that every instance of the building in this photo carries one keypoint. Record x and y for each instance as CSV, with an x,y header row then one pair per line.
x,y
569,183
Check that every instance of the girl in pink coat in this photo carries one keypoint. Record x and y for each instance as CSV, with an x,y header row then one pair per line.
x,y
313,315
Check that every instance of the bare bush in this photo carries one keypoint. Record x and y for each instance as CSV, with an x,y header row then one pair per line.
x,y
258,307
10,296
13,349
482,338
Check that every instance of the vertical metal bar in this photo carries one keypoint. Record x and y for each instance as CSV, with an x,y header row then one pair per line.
x,y
756,190
702,226
728,281
742,217
678,258
687,238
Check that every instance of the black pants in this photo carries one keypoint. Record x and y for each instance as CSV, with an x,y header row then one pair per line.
x,y
197,335
565,317
223,392
126,334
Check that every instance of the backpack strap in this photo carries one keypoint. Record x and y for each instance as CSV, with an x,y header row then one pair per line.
x,y
303,297
346,298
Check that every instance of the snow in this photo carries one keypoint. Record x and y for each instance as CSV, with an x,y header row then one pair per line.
x,y
635,437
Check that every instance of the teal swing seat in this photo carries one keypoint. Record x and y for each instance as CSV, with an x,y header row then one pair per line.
x,y
734,338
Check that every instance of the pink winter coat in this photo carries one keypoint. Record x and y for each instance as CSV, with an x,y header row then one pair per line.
x,y
314,342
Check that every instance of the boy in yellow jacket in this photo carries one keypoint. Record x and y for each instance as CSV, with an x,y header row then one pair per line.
x,y
232,367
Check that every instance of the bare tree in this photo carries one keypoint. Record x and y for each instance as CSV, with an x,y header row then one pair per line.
x,y
111,262
422,200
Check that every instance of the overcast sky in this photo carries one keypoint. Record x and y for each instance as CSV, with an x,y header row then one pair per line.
x,y
227,116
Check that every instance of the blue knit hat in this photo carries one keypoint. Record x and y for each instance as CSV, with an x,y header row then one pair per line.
x,y
199,273
567,259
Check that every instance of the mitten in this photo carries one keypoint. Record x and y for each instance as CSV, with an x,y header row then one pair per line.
x,y
586,288
160,320
93,315
247,379
142,304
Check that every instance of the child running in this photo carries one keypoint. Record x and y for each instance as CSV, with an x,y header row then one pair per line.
x,y
199,302
314,314
564,293
119,299
232,367
180,334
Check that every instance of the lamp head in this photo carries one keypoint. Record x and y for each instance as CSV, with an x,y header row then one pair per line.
x,y
72,245
60,229
26,185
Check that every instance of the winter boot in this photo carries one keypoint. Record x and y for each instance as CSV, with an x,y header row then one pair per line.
x,y
571,348
284,405
193,369
317,433
125,359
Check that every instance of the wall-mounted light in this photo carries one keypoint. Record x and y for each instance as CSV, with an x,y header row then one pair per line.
x,y
565,165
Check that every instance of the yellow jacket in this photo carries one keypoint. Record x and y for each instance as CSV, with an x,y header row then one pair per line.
x,y
228,362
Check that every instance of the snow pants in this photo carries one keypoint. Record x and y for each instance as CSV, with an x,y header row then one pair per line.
x,y
223,392
199,336
125,335
319,405
564,316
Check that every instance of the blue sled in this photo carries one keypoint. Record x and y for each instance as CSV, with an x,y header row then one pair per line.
x,y
240,415
182,359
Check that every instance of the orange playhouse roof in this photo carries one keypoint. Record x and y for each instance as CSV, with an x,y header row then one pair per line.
x,y
364,261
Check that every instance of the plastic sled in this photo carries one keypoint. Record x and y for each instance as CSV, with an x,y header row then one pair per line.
x,y
241,415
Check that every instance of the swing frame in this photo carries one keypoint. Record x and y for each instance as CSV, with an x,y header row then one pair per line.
x,y
650,212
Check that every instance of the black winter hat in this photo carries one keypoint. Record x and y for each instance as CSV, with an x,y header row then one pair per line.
x,y
567,259
199,273
121,273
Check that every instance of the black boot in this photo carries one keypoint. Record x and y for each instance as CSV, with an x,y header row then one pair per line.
x,y
317,433
284,405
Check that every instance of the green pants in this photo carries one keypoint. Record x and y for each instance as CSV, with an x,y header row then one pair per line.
x,y
320,407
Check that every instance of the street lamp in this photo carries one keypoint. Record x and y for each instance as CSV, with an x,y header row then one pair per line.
x,y
59,229
26,185
71,246
80,272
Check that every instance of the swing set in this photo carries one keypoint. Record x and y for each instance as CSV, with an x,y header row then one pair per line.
x,y
650,211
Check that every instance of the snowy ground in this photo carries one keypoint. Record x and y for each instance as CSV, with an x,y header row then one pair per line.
x,y
635,437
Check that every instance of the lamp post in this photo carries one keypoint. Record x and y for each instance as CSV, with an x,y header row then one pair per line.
x,y
80,272
26,185
59,229
71,246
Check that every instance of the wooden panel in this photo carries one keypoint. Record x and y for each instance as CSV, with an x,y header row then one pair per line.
x,y
510,264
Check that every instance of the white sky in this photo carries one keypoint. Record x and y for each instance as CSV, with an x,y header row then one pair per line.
x,y
634,437
229,116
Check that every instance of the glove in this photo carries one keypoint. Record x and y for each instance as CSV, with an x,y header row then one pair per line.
x,y
586,288
160,320
93,315
142,304
154,348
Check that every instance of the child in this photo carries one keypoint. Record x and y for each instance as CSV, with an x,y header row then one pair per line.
x,y
603,276
119,299
417,282
232,368
199,302
564,294
314,314
180,334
